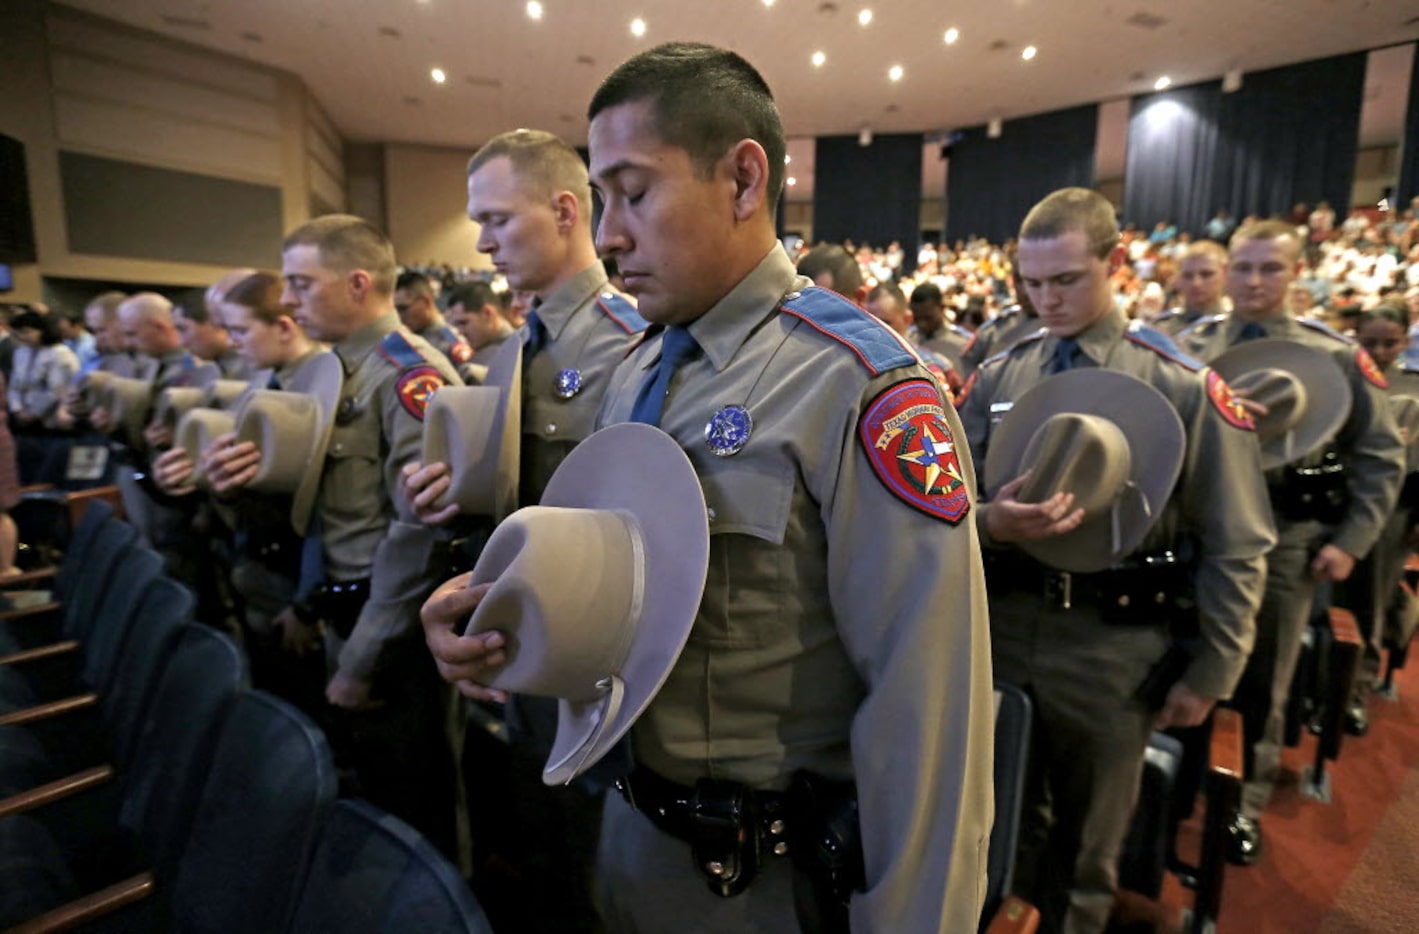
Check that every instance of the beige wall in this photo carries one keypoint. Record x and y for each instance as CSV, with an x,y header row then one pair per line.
x,y
426,206
82,84
1376,169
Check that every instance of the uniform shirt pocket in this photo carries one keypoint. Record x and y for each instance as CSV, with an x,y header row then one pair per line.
x,y
749,591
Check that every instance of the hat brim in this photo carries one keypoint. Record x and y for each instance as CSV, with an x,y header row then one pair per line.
x,y
176,401
477,432
196,431
1328,397
641,472
1156,442
323,377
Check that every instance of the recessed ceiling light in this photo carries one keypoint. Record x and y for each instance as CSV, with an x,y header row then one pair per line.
x,y
1162,83
818,59
1029,52
768,2
864,17
438,75
952,35
787,158
792,180
637,27
534,9
895,73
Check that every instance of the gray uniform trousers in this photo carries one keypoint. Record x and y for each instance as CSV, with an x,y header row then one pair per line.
x,y
1087,746
1266,683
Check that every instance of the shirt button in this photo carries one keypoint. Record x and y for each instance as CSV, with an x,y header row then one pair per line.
x,y
551,429
793,296
339,448
711,514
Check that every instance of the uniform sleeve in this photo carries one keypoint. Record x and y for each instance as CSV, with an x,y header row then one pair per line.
x,y
908,597
1374,461
1226,508
405,568
975,425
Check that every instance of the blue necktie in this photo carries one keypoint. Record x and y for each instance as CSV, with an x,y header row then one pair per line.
x,y
536,336
273,382
1068,355
1250,331
676,347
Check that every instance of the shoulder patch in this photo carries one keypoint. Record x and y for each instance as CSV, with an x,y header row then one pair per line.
x,y
1226,403
1022,342
1369,370
905,435
1323,328
395,348
1162,345
876,345
416,387
619,309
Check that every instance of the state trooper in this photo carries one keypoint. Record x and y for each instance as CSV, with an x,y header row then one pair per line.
x,y
376,561
1087,656
1325,518
1202,277
419,312
528,191
999,333
839,656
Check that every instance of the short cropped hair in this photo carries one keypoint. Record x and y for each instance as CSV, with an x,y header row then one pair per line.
x,y
1208,248
473,296
1074,209
541,160
1391,310
193,305
927,292
889,290
260,293
107,303
1268,230
414,282
347,243
836,262
703,100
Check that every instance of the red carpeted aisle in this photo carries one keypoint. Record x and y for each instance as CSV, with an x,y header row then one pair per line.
x,y
1351,865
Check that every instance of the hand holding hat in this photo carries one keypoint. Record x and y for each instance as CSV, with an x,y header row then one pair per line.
x,y
1298,394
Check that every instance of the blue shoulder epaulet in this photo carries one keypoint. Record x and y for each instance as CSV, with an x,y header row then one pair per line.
x,y
397,350
1027,339
1162,345
961,332
1203,326
1323,328
876,345
619,309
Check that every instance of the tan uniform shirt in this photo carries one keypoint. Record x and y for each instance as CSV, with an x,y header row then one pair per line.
x,y
1368,442
841,629
1220,500
583,336
475,371
949,342
366,526
996,335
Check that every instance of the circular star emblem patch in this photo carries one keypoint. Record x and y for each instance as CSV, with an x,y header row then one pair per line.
x,y
906,437
1225,401
567,384
728,430
1369,370
416,387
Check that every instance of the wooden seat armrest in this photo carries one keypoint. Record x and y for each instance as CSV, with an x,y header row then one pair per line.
x,y
1225,756
52,650
22,580
90,907
51,709
44,610
1014,916
57,790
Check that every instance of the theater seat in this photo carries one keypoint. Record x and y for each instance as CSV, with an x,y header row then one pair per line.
x,y
374,874
1004,913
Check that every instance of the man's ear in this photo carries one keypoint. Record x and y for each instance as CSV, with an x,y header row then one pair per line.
x,y
749,167
565,210
860,298
360,283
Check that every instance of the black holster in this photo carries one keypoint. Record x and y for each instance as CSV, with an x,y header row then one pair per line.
x,y
826,846
337,604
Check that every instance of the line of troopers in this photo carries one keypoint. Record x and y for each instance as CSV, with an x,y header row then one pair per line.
x,y
1137,472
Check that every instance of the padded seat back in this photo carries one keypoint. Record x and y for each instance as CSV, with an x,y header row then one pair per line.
x,y
166,605
201,676
96,576
1013,715
374,874
96,516
266,798
1144,859
137,569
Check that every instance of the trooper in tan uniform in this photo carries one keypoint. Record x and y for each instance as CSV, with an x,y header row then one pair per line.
x,y
999,333
378,561
1062,637
1313,546
1202,276
842,632
474,310
528,191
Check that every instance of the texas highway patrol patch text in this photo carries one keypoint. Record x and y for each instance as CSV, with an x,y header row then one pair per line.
x,y
906,437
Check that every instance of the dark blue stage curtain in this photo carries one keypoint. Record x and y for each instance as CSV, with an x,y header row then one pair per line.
x,y
869,194
1409,166
991,184
1289,135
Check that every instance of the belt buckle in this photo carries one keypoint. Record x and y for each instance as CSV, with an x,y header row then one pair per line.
x,y
1059,588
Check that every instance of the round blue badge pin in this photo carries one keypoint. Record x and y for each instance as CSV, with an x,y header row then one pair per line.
x,y
567,383
728,430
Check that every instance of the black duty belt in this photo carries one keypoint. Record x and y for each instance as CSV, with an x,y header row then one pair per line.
x,y
337,603
1143,591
